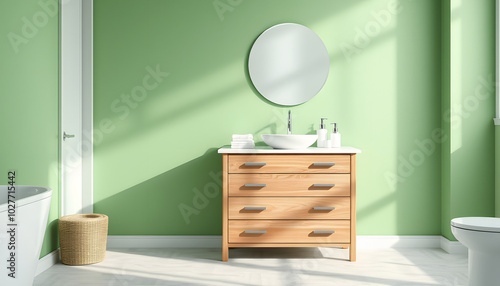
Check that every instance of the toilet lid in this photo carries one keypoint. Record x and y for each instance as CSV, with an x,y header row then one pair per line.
x,y
490,224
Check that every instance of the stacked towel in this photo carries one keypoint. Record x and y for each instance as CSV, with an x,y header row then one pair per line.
x,y
243,137
242,144
242,141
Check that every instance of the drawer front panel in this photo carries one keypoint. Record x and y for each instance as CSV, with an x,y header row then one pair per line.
x,y
289,185
289,231
309,163
289,208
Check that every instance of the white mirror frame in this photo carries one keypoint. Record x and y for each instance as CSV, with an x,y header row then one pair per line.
x,y
288,64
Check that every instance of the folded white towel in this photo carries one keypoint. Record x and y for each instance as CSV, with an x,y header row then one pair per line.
x,y
242,141
242,136
242,145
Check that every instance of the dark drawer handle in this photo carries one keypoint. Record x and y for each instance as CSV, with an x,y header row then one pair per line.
x,y
255,231
323,185
324,164
323,231
255,185
255,208
324,208
255,164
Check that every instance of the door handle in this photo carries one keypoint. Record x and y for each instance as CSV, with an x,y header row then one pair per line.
x,y
65,135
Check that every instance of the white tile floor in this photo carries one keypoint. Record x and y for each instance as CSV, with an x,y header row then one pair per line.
x,y
264,266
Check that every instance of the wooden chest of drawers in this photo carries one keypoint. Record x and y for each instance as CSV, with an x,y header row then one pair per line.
x,y
289,200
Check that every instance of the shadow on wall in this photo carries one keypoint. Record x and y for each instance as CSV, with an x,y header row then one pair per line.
x,y
51,237
185,200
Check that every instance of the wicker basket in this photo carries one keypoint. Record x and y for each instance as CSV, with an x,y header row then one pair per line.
x,y
83,238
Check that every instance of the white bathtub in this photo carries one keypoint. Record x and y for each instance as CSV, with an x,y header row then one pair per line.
x,y
32,211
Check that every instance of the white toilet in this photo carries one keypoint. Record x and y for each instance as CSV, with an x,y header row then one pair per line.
x,y
481,235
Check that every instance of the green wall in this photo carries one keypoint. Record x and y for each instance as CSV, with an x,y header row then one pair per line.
x,y
156,155
29,100
497,169
468,109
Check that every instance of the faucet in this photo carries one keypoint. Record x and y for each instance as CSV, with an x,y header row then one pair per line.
x,y
289,131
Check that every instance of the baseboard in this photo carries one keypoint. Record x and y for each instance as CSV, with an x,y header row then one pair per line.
x,y
452,247
164,241
397,241
47,261
215,241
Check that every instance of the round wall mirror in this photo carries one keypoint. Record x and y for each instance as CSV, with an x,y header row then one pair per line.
x,y
288,64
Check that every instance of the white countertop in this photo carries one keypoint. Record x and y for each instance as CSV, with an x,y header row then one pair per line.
x,y
270,150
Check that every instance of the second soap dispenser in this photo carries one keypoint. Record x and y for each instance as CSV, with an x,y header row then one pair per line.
x,y
335,136
322,134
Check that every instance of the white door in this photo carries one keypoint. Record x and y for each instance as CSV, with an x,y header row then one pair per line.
x,y
76,107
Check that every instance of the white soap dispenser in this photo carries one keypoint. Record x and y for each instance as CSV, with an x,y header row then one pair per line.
x,y
322,134
335,136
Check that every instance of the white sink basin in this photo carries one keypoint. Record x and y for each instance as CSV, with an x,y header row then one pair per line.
x,y
289,141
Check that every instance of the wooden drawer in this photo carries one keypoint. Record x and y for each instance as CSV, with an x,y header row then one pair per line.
x,y
289,207
310,163
289,184
288,231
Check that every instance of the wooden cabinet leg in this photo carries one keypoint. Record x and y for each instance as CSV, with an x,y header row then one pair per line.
x,y
352,253
225,253
225,249
352,246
